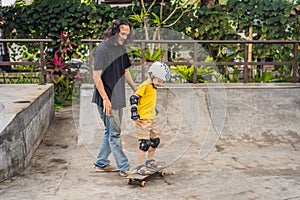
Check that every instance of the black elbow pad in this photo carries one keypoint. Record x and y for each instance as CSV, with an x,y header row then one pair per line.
x,y
134,100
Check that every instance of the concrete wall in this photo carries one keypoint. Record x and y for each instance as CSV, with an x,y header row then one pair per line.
x,y
265,114
28,110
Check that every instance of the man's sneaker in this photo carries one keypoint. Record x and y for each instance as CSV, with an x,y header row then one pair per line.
x,y
152,165
143,170
107,168
124,174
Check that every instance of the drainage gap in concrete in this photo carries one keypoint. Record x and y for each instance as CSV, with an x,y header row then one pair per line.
x,y
21,101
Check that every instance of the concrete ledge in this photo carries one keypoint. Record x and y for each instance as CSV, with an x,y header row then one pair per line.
x,y
27,111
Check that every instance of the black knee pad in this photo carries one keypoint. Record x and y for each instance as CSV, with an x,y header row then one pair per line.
x,y
144,145
154,142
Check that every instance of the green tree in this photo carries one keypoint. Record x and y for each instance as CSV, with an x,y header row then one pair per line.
x,y
45,19
158,15
211,23
270,20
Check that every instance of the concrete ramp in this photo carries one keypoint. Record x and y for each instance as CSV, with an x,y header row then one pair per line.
x,y
232,141
262,114
183,117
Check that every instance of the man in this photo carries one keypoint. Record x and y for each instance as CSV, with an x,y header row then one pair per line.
x,y
111,69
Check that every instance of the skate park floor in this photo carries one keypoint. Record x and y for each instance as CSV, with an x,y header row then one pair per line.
x,y
62,168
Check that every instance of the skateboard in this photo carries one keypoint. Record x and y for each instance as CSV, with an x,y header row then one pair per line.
x,y
135,178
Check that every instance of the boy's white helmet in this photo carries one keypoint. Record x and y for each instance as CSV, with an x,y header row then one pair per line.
x,y
160,70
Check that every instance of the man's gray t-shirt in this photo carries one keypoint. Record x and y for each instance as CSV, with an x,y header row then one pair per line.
x,y
112,60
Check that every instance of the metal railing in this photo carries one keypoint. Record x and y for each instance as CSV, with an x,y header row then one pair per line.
x,y
195,43
41,63
245,63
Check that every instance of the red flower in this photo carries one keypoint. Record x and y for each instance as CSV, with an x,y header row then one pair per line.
x,y
57,62
64,36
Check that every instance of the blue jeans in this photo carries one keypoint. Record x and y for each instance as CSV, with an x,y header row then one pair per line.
x,y
111,141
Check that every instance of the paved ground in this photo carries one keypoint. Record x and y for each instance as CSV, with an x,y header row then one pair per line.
x,y
62,169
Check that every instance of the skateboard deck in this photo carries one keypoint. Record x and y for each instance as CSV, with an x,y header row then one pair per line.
x,y
135,178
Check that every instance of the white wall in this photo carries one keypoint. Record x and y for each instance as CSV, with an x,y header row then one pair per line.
x,y
7,2
11,2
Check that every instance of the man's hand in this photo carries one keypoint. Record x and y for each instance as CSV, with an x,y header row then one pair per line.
x,y
100,87
107,106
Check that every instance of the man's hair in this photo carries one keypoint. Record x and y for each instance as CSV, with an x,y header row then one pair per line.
x,y
114,30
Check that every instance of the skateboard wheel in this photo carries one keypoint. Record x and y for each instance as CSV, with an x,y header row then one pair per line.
x,y
129,181
143,183
162,173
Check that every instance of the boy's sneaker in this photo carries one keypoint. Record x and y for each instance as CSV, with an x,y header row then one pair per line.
x,y
152,165
143,170
107,168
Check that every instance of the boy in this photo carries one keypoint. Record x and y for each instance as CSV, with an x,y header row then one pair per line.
x,y
143,112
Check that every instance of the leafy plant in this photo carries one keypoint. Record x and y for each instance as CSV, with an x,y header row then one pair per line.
x,y
204,73
154,17
269,20
231,74
283,73
60,73
265,77
44,19
136,52
63,89
30,77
